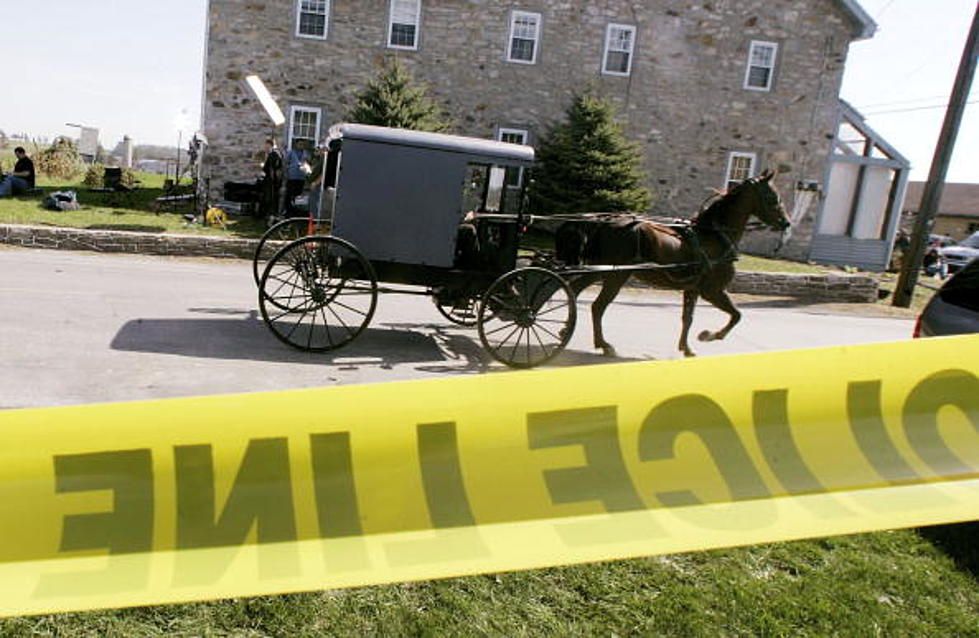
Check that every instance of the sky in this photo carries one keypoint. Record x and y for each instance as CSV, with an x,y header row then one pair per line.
x,y
135,67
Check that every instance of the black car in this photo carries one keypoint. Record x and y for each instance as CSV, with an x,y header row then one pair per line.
x,y
954,309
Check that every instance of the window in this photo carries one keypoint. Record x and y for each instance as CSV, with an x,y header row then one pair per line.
x,y
619,42
312,18
524,35
403,24
514,174
740,166
761,66
304,124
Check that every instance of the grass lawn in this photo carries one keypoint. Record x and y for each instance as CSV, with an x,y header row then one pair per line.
x,y
117,211
901,583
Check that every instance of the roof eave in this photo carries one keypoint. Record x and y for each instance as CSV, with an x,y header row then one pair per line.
x,y
866,27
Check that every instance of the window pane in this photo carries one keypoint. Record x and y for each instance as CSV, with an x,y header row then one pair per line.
x,y
741,168
758,76
522,50
620,40
403,35
312,24
404,11
304,125
617,62
762,55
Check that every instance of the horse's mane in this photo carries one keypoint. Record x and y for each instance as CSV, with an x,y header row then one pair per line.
x,y
717,209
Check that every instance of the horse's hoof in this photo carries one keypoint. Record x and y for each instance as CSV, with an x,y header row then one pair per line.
x,y
609,351
689,353
706,335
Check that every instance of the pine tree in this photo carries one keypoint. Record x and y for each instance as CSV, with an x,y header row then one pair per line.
x,y
587,165
393,99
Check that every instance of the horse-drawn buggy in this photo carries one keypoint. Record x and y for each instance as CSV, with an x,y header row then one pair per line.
x,y
438,215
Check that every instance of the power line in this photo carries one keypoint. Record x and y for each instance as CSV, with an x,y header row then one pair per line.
x,y
907,101
914,108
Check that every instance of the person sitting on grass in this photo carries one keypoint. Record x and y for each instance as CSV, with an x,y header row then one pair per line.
x,y
22,179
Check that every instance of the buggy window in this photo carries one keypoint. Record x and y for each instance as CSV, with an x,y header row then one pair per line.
x,y
483,188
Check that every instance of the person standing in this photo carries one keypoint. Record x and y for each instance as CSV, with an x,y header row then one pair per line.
x,y
297,168
268,200
21,179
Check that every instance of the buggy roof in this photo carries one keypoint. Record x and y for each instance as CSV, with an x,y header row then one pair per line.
x,y
489,149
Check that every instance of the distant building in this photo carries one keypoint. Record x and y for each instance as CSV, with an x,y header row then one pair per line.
x,y
958,210
714,90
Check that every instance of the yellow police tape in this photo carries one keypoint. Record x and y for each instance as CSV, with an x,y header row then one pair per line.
x,y
190,499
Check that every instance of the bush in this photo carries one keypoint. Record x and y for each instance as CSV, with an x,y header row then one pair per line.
x,y
60,160
93,176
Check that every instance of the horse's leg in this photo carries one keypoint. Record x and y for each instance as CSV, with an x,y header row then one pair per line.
x,y
577,284
721,301
611,284
689,303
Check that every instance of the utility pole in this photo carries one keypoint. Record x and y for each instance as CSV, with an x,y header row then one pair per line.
x,y
932,194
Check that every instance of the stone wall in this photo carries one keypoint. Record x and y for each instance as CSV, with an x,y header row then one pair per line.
x,y
684,100
119,241
829,287
832,287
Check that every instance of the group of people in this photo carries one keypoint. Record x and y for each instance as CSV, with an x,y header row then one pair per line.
x,y
21,179
299,170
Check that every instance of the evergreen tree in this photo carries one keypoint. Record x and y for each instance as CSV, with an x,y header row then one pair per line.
x,y
587,165
393,99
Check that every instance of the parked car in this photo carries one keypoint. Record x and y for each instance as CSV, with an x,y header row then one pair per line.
x,y
954,309
958,255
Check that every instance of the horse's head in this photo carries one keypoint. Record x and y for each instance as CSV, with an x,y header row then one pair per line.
x,y
766,204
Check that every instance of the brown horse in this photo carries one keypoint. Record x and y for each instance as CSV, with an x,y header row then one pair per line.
x,y
697,259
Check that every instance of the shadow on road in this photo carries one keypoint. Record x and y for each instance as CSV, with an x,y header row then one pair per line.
x,y
247,338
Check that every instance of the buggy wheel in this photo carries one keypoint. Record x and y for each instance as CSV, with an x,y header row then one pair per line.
x,y
463,312
317,293
526,317
277,236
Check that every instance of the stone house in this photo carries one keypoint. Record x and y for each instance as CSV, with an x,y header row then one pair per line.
x,y
713,90
958,211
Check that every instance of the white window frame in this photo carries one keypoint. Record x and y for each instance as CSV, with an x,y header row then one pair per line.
x,y
293,110
755,44
752,169
326,20
416,24
524,138
608,48
517,15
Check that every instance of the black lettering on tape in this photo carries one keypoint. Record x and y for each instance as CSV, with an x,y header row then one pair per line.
x,y
445,491
129,526
956,388
261,495
700,416
774,436
333,482
605,477
863,407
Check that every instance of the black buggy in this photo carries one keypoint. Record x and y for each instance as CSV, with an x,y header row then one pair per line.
x,y
422,213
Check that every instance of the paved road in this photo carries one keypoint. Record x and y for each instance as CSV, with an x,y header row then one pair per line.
x,y
81,328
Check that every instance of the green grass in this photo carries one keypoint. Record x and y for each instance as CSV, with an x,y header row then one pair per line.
x,y
901,583
117,211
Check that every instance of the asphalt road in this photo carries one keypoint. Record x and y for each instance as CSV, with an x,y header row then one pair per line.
x,y
83,328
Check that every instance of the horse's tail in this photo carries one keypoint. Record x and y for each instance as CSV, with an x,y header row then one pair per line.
x,y
569,243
